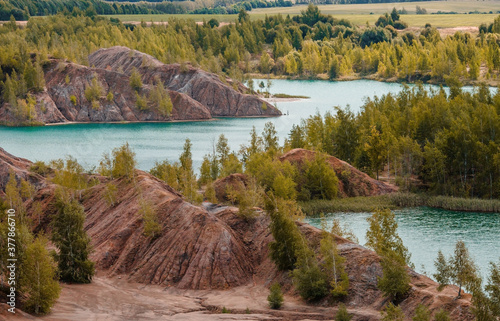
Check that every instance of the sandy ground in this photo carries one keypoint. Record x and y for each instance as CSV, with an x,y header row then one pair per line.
x,y
114,299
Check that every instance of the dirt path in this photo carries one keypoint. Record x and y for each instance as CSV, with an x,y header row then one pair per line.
x,y
114,299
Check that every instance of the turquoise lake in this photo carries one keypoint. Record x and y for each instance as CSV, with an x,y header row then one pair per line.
x,y
424,231
158,141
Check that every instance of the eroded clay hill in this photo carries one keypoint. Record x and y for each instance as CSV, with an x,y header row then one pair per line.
x,y
352,182
213,248
195,94
18,166
220,98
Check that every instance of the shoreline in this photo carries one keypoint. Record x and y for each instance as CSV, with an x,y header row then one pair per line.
x,y
140,122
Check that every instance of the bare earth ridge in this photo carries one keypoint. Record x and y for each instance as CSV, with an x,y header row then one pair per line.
x,y
205,258
195,94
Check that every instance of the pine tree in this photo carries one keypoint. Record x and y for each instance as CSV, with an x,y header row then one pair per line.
x,y
462,267
392,313
222,149
333,265
287,237
135,80
443,274
38,280
342,313
270,138
493,288
123,163
382,235
72,241
395,281
275,297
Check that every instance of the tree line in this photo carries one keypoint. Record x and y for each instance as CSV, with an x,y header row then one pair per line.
x,y
309,45
24,9
448,141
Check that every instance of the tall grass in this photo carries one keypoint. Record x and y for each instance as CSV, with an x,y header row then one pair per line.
x,y
464,204
397,201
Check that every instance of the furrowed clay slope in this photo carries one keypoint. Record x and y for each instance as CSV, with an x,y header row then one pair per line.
x,y
211,247
220,98
195,94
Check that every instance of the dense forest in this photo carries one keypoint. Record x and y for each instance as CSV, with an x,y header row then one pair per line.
x,y
448,141
428,139
23,9
309,45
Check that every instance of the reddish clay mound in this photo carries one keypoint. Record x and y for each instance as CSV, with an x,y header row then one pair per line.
x,y
352,182
233,181
213,248
204,87
19,166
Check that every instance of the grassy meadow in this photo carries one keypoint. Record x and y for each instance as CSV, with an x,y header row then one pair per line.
x,y
360,14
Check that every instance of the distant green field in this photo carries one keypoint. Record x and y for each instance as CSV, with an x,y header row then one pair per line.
x,y
440,21
379,8
359,14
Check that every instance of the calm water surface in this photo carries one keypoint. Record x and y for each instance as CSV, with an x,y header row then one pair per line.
x,y
158,141
425,231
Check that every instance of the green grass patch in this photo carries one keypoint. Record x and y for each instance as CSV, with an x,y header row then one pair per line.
x,y
380,8
413,20
464,204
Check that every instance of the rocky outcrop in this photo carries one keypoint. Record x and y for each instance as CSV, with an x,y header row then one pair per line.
x,y
219,97
195,94
352,182
233,182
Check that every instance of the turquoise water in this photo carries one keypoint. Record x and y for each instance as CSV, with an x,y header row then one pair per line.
x,y
425,231
158,141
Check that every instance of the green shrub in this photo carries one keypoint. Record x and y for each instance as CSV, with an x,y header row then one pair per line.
x,y
275,297
72,98
141,102
135,79
123,162
40,168
110,193
392,313
224,310
94,90
110,97
152,227
309,280
442,315
342,314
422,313
395,281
